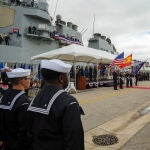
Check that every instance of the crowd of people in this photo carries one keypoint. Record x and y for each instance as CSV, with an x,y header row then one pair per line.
x,y
92,75
22,2
52,120
90,72
129,79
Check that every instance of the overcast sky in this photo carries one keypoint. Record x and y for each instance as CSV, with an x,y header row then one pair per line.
x,y
125,22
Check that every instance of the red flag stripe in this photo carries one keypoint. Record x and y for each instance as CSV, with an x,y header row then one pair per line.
x,y
116,62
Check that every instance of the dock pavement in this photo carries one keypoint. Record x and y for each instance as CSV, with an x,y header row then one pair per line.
x,y
116,119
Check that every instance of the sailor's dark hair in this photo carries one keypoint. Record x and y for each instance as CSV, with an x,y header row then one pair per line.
x,y
4,77
49,75
14,81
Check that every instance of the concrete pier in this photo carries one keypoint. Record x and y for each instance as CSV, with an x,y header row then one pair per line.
x,y
123,113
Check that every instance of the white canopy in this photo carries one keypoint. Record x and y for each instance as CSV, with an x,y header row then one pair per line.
x,y
77,53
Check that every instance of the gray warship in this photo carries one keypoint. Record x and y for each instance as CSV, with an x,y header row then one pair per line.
x,y
101,42
27,29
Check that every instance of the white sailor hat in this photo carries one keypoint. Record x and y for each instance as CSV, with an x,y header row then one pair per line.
x,y
18,72
56,65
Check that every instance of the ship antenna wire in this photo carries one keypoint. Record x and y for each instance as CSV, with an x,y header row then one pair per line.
x,y
51,6
93,23
55,8
83,31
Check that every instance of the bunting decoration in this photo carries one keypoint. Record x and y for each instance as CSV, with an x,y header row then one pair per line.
x,y
15,66
30,67
21,66
66,39
39,72
24,66
1,65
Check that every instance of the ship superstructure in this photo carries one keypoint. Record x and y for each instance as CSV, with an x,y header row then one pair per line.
x,y
101,42
27,29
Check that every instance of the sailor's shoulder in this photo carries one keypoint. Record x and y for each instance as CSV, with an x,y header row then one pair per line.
x,y
14,99
67,96
65,100
22,102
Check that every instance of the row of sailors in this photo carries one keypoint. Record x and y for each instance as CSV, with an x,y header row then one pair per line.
x,y
129,78
144,76
54,34
51,121
22,2
120,77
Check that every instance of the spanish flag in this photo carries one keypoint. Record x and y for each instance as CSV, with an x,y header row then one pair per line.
x,y
126,62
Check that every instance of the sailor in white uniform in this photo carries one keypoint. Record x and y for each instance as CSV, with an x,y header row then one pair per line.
x,y
13,111
55,122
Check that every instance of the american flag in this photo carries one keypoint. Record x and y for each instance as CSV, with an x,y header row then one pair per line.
x,y
118,60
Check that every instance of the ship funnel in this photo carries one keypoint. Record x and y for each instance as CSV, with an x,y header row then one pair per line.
x,y
42,4
103,37
69,24
59,20
63,22
75,27
58,17
108,40
97,35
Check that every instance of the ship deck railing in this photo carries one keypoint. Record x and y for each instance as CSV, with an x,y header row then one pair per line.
x,y
38,35
22,4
